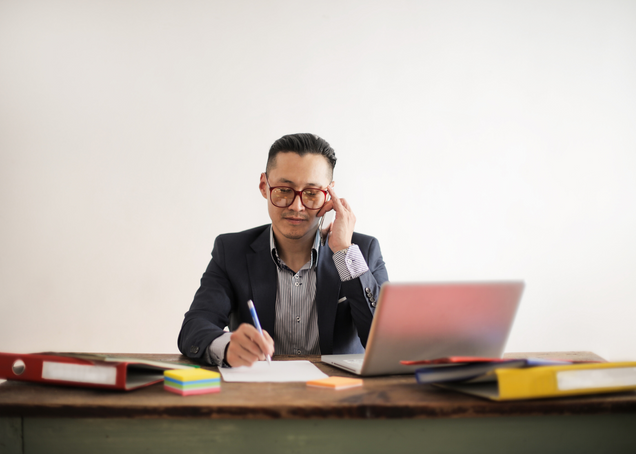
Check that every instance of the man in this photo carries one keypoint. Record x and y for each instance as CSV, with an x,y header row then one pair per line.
x,y
314,291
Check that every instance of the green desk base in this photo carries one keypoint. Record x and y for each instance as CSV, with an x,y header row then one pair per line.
x,y
614,433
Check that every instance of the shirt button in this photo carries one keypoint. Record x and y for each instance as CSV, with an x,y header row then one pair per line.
x,y
349,261
298,352
298,319
297,284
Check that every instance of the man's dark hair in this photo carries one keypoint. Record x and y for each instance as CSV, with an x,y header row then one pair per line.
x,y
301,144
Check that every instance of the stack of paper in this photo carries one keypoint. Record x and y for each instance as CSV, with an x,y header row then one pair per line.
x,y
191,381
529,379
463,368
278,371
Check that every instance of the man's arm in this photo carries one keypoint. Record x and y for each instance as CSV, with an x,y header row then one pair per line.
x,y
362,289
210,310
360,266
202,336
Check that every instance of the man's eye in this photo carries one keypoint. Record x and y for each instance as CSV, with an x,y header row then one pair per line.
x,y
310,193
284,191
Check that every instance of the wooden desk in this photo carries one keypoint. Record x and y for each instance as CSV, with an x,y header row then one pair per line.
x,y
387,415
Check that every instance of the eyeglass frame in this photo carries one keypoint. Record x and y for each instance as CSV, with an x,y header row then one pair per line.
x,y
296,194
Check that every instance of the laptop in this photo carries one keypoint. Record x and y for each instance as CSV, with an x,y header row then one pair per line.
x,y
418,321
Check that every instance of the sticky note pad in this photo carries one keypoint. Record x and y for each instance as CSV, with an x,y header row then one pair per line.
x,y
187,382
336,382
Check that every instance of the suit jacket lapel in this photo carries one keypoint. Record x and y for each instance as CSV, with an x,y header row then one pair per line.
x,y
327,291
263,280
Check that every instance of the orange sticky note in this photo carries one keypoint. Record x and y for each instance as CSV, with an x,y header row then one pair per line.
x,y
336,382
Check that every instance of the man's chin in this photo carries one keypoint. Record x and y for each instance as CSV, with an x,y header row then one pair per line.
x,y
295,234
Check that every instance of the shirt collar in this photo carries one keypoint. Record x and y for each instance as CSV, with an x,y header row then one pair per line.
x,y
314,249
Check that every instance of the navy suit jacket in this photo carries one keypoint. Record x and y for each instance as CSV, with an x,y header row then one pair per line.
x,y
242,269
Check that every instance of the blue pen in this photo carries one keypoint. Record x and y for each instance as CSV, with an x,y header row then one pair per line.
x,y
257,324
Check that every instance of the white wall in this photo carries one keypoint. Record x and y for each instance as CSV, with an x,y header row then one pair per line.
x,y
476,140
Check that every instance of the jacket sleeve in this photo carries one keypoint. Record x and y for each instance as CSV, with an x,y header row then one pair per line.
x,y
363,291
210,311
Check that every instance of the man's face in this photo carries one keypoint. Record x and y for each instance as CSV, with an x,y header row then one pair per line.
x,y
295,222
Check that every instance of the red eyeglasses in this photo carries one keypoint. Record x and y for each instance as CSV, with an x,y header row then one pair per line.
x,y
284,196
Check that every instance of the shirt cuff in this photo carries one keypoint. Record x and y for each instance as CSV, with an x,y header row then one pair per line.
x,y
350,263
215,353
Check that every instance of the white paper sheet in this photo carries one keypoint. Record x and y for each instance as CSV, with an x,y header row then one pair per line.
x,y
279,371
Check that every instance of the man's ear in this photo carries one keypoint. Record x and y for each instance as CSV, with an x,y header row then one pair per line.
x,y
262,185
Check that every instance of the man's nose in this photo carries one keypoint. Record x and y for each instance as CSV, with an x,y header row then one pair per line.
x,y
297,204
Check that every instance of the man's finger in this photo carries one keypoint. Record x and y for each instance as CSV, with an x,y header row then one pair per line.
x,y
248,355
327,207
269,344
249,339
334,198
325,230
245,349
345,204
260,344
239,356
264,343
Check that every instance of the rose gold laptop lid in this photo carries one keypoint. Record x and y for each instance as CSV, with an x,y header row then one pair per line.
x,y
415,321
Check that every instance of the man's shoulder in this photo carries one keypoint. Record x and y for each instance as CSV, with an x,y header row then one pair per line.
x,y
246,237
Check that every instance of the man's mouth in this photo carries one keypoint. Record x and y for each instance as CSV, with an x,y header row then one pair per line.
x,y
294,220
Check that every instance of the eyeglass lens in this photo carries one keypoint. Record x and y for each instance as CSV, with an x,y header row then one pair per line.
x,y
311,198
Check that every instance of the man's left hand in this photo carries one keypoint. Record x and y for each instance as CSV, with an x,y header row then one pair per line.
x,y
342,228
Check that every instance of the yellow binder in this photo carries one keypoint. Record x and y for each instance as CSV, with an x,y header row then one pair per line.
x,y
550,381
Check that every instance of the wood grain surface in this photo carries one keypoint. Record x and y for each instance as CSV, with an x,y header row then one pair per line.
x,y
390,397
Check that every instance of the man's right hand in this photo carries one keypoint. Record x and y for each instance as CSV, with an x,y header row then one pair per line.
x,y
248,346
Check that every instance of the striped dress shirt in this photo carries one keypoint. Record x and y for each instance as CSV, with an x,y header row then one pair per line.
x,y
296,323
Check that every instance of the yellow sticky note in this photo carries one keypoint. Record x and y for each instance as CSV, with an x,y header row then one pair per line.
x,y
191,374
